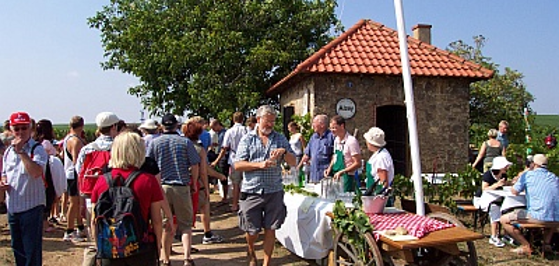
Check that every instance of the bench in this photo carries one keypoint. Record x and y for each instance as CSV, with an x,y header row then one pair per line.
x,y
537,228
478,214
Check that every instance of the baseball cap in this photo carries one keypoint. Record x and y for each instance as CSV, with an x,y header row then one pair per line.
x,y
106,119
500,162
19,118
540,160
169,120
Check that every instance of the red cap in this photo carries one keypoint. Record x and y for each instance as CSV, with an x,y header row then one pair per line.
x,y
19,118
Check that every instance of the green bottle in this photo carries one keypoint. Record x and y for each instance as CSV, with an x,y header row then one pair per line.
x,y
302,176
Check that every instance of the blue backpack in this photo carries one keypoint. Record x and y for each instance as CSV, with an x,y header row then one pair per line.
x,y
122,232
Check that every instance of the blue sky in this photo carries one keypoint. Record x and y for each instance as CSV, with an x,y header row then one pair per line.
x,y
50,59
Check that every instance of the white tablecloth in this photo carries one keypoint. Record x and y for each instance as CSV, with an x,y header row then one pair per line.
x,y
509,200
306,234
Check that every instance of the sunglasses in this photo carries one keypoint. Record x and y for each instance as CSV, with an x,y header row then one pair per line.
x,y
16,129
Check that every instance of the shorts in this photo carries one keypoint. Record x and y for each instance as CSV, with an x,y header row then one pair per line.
x,y
180,203
225,168
518,216
236,176
261,211
72,187
203,199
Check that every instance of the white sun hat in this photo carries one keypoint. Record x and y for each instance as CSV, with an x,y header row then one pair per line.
x,y
375,136
149,124
500,162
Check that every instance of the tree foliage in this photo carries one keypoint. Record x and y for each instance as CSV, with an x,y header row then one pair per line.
x,y
209,57
502,97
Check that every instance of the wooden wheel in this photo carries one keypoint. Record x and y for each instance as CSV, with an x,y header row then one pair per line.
x,y
346,253
466,253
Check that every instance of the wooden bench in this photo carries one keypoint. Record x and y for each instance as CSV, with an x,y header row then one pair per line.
x,y
533,228
478,214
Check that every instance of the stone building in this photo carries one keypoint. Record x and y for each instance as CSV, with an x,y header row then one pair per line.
x,y
359,75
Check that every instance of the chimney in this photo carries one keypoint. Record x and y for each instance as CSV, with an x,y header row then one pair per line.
x,y
422,32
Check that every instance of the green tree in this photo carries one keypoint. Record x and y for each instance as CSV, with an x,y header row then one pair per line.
x,y
502,97
210,58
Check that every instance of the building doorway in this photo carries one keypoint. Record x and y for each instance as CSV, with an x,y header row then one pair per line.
x,y
392,119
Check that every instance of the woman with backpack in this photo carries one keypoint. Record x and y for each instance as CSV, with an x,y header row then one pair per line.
x,y
141,247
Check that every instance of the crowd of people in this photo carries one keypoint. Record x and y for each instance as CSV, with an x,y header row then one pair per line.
x,y
172,166
540,186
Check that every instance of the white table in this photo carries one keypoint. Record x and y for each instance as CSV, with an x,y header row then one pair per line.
x,y
509,200
306,234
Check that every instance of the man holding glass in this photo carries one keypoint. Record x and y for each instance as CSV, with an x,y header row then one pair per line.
x,y
24,163
259,155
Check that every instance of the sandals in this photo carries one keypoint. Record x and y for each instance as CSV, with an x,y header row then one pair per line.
x,y
164,263
252,260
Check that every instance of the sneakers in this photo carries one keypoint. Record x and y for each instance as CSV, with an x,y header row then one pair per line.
x,y
211,240
496,241
72,237
509,240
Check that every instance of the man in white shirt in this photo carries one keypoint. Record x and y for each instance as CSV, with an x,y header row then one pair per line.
x,y
230,142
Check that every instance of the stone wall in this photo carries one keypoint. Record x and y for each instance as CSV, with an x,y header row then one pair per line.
x,y
441,110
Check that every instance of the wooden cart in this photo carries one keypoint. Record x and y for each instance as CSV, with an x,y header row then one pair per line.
x,y
451,246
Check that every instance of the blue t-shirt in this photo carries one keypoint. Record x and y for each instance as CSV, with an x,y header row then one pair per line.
x,y
206,139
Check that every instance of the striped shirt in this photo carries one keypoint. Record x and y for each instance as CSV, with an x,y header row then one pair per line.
x,y
232,138
25,192
104,143
542,194
251,149
174,156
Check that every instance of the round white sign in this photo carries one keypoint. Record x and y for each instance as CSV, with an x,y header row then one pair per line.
x,y
345,108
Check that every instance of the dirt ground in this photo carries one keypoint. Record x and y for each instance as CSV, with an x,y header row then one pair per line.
x,y
232,251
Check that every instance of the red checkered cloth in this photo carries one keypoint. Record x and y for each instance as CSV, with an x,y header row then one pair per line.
x,y
416,225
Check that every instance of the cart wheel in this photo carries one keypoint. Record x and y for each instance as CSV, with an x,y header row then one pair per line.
x,y
346,253
468,254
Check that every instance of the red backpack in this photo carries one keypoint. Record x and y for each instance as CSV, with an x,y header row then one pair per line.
x,y
95,164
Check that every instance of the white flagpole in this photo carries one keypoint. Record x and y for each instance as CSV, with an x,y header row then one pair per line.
x,y
410,107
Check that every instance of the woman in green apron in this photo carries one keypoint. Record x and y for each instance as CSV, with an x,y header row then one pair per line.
x,y
347,155
380,167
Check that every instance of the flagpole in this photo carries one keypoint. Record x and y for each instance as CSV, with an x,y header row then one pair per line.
x,y
410,108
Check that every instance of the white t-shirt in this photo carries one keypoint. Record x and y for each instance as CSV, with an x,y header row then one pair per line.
x,y
232,138
382,160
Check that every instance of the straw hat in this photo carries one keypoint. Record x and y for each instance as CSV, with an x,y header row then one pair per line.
x,y
375,136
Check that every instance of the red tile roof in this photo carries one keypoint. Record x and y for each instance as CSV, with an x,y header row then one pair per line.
x,y
372,48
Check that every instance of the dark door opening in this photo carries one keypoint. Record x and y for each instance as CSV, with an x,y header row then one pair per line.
x,y
392,119
288,112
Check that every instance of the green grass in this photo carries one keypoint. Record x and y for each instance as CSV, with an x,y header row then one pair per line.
x,y
65,127
547,120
